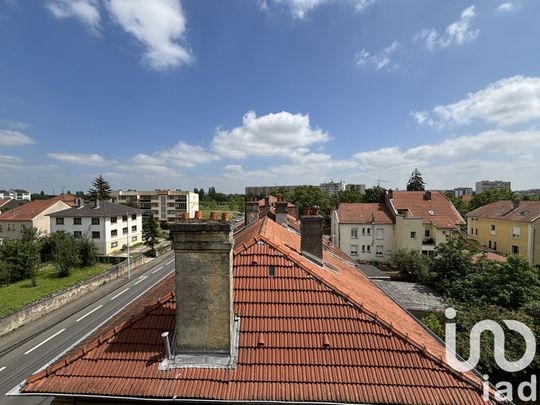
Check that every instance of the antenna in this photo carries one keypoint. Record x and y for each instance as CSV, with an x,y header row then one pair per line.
x,y
379,181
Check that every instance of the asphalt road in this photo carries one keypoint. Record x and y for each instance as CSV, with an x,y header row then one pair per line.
x,y
35,346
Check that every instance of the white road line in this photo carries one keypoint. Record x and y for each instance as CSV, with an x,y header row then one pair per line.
x,y
2,368
169,262
141,278
156,270
119,294
45,341
89,313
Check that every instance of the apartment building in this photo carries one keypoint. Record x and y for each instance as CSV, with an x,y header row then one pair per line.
x,y
508,227
15,194
333,187
32,214
165,205
485,185
261,191
402,220
361,188
110,226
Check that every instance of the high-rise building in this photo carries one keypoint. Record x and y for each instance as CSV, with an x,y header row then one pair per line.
x,y
490,185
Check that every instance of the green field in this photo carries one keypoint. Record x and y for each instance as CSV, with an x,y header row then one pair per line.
x,y
220,209
17,295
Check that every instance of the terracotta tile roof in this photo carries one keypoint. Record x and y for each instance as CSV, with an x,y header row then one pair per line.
x,y
363,213
28,211
526,211
438,211
273,200
69,199
4,201
490,256
328,335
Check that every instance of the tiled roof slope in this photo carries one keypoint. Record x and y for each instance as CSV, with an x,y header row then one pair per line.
x,y
308,334
526,211
105,209
363,213
4,201
444,214
28,211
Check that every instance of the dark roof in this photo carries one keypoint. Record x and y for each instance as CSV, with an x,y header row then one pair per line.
x,y
19,190
105,209
328,335
526,211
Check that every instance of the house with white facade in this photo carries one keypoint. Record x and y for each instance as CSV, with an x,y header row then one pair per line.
x,y
110,226
15,194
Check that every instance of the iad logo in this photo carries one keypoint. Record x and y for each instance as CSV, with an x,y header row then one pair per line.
x,y
498,351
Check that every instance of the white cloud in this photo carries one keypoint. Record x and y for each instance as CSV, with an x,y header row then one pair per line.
x,y
9,161
159,25
14,138
506,7
82,159
180,155
457,33
510,101
381,60
282,134
300,8
86,11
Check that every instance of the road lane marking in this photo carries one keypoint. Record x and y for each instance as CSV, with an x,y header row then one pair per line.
x,y
169,262
2,368
156,270
119,294
89,313
141,278
45,341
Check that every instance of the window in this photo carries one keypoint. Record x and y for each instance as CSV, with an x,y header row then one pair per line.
x,y
114,232
95,221
354,233
368,248
113,220
77,234
59,221
366,231
354,250
0,228
134,239
363,248
515,232
476,231
124,231
426,233
134,216
493,227
124,218
134,228
489,244
515,250
95,235
379,233
77,221
413,235
114,244
378,250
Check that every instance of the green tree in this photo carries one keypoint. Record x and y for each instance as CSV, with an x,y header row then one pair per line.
x,y
87,251
211,192
65,253
150,233
350,196
451,262
416,182
20,260
101,189
489,196
282,191
373,194
412,263
461,206
202,194
309,196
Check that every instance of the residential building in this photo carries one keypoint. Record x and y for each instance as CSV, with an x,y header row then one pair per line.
x,y
266,315
402,220
333,187
356,187
31,214
7,204
485,185
261,191
462,191
110,226
69,199
165,205
15,194
508,227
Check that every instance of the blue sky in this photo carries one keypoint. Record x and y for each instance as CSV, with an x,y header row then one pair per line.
x,y
183,94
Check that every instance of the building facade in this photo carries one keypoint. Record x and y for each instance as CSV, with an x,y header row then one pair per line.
x,y
263,191
165,205
461,191
361,188
333,187
15,194
508,227
110,226
485,185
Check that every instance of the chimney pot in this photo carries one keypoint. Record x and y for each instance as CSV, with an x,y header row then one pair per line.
x,y
311,232
198,215
185,216
213,216
282,211
225,216
251,213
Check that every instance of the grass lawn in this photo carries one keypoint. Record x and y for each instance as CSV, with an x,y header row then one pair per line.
x,y
206,211
16,295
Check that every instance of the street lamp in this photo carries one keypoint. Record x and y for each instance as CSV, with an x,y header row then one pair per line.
x,y
127,244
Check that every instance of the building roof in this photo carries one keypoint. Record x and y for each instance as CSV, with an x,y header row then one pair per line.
x,y
69,199
526,211
18,190
438,210
105,209
307,334
273,200
4,201
363,213
28,211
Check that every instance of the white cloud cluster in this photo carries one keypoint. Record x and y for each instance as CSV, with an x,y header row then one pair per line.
x,y
92,159
510,101
283,134
506,7
158,25
14,138
7,161
300,8
381,60
457,33
180,155
86,11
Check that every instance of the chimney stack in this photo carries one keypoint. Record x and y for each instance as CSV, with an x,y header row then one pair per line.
x,y
311,232
391,194
515,203
427,195
204,307
252,211
282,210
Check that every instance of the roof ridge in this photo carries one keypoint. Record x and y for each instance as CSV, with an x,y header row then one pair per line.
x,y
477,385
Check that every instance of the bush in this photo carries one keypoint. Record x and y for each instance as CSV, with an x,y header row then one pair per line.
x,y
413,264
87,251
65,253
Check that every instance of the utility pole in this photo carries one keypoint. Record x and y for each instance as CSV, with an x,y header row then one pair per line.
x,y
127,244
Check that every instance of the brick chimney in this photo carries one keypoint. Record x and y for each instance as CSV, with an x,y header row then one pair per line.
x,y
281,210
515,203
427,195
205,331
251,214
311,232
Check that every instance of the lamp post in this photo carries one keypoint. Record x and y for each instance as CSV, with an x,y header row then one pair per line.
x,y
127,244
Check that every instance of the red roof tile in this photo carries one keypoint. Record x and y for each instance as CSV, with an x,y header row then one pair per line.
x,y
526,211
363,213
28,211
438,210
307,334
